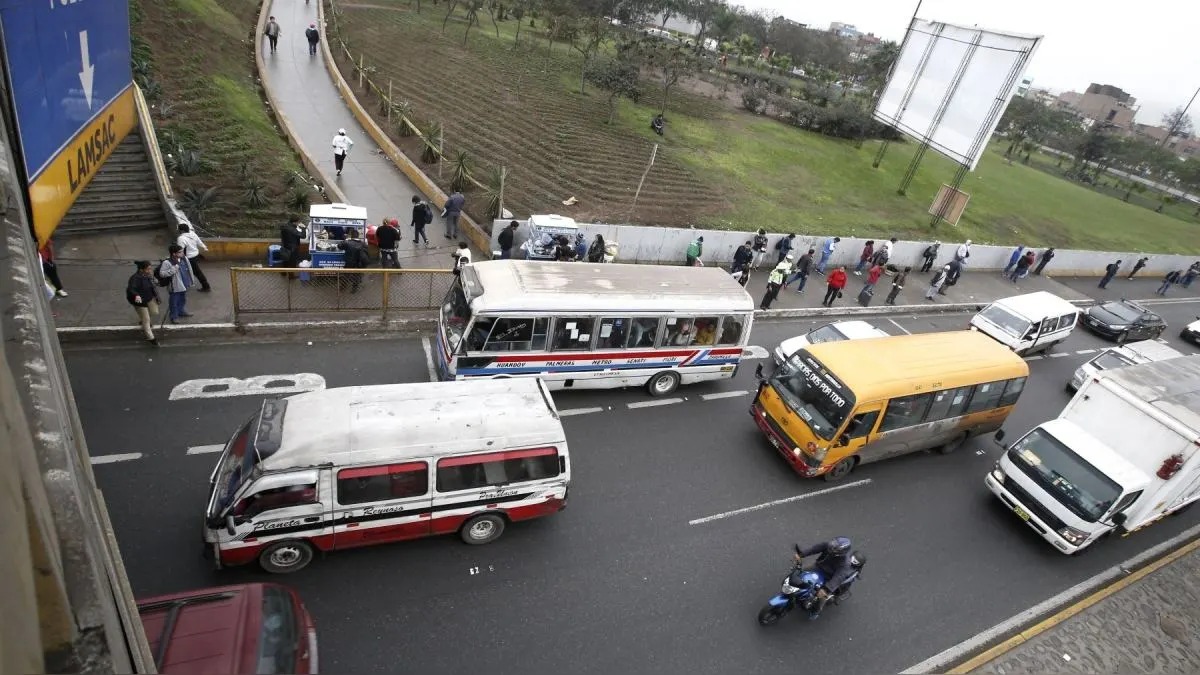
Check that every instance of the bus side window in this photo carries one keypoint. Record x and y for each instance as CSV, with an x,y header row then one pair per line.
x,y
510,335
680,332
541,327
905,411
731,330
861,424
612,333
642,332
948,403
706,330
985,397
573,332
479,333
1012,392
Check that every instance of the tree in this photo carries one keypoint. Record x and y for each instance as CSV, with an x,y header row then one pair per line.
x,y
619,78
587,36
672,61
745,45
1177,123
1094,149
702,12
724,22
667,9
875,68
518,9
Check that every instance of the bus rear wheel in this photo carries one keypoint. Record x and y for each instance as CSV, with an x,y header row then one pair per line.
x,y
663,383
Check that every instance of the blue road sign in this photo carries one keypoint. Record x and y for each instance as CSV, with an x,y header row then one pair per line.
x,y
67,61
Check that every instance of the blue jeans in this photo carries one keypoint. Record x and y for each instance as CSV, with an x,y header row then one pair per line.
x,y
802,278
505,253
177,305
859,267
1162,290
824,259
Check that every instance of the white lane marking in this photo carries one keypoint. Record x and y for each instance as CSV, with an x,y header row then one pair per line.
x,y
205,449
754,352
109,459
723,394
941,662
263,385
579,411
777,502
1034,358
1087,351
429,359
899,326
654,403
1059,355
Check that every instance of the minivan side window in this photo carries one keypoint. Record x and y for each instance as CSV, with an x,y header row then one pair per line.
x,y
496,468
1012,392
276,498
905,411
382,483
986,396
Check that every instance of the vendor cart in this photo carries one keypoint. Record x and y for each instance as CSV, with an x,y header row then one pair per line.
x,y
328,225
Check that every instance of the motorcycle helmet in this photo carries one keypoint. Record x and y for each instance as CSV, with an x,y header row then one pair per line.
x,y
839,545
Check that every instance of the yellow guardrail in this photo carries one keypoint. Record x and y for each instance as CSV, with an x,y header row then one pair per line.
x,y
308,291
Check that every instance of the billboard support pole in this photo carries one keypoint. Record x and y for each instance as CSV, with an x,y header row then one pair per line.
x,y
912,85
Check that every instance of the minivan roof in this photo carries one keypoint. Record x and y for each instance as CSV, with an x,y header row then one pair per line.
x,y
1037,305
392,422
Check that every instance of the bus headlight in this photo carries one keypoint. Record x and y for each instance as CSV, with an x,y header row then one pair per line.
x,y
998,474
1074,536
796,452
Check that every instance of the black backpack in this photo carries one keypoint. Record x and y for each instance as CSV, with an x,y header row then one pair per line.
x,y
162,280
779,244
428,217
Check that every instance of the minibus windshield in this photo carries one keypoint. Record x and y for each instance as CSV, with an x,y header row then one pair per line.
x,y
814,394
1005,320
237,463
1082,488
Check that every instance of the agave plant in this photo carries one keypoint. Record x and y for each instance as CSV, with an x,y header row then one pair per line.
x,y
460,177
433,138
190,163
293,181
401,114
256,195
298,200
493,191
196,203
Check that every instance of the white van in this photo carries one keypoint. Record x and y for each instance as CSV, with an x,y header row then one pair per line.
x,y
355,466
1132,354
1028,323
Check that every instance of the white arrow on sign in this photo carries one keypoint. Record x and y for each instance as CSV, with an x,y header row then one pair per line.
x,y
89,71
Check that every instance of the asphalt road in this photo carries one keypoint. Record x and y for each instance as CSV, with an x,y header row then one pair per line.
x,y
619,581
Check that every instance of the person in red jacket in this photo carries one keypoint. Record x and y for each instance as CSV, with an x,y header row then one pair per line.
x,y
837,281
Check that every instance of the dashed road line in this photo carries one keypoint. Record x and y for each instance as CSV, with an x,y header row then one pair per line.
x,y
723,394
1034,358
900,327
570,412
429,359
778,502
1058,355
110,459
1087,351
654,403
204,449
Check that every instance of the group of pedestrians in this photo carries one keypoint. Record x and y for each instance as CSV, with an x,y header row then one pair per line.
x,y
1181,277
272,31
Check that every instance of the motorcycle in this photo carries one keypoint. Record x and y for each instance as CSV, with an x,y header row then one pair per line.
x,y
800,589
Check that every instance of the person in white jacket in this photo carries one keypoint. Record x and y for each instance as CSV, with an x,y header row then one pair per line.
x,y
341,147
193,248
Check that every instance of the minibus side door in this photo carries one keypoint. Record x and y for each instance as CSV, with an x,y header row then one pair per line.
x,y
282,506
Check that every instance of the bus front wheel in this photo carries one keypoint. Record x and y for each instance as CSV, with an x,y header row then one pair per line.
x,y
840,470
663,383
953,444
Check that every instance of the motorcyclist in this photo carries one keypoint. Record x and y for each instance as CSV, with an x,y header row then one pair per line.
x,y
833,560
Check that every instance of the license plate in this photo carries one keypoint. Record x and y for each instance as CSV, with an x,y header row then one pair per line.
x,y
774,441
1020,513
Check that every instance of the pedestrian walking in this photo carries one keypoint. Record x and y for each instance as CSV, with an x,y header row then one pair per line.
x,y
50,269
291,237
873,275
505,239
930,255
1013,259
342,145
1021,270
581,248
897,286
759,247
837,281
422,215
784,246
1137,266
963,252
388,237
801,270
935,284
774,283
1171,278
272,33
175,272
595,252
313,36
1192,272
193,249
355,257
865,257
1110,271
742,258
884,254
142,293
826,253
452,212
953,272
694,250
461,257
1047,256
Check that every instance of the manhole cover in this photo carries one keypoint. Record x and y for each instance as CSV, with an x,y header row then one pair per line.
x,y
1173,627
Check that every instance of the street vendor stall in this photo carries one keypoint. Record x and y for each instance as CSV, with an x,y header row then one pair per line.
x,y
543,231
328,224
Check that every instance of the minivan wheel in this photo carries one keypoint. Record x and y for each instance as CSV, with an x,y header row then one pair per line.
x,y
840,470
482,529
953,444
284,557
663,383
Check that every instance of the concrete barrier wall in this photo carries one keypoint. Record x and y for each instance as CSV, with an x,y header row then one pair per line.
x,y
666,245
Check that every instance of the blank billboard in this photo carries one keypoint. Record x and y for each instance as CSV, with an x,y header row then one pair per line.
x,y
950,85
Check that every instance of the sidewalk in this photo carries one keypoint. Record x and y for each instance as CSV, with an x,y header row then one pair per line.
x,y
1148,622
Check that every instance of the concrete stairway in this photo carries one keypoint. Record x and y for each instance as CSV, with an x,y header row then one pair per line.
x,y
122,196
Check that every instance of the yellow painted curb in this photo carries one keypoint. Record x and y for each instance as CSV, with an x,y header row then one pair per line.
x,y
475,233
1030,633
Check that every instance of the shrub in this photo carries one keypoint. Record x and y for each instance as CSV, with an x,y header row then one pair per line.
x,y
752,100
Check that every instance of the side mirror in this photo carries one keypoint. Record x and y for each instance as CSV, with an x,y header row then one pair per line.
x,y
1119,519
230,525
843,440
999,437
758,372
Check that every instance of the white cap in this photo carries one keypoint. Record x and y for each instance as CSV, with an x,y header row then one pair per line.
x,y
790,257
342,132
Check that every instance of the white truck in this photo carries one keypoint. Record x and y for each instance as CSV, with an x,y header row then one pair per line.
x,y
1121,455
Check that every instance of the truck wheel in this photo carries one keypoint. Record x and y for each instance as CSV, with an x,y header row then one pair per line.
x,y
482,529
663,383
285,557
953,444
840,470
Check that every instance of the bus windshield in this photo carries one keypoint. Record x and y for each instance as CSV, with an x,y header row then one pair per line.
x,y
237,463
814,394
1075,483
456,312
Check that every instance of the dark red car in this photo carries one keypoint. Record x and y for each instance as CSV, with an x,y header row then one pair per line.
x,y
252,628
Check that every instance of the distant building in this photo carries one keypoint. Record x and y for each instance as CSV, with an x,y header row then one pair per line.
x,y
1183,146
1101,103
845,30
788,22
1043,96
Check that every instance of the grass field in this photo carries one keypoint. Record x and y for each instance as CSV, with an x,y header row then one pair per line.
x,y
717,166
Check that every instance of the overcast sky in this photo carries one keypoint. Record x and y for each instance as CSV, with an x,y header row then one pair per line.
x,y
1149,48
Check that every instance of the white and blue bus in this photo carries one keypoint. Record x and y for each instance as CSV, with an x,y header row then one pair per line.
x,y
593,326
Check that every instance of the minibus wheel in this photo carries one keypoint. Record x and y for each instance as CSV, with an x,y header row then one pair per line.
x,y
283,557
953,444
662,384
840,470
482,529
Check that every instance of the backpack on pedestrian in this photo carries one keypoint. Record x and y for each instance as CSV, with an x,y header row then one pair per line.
x,y
427,213
163,280
779,244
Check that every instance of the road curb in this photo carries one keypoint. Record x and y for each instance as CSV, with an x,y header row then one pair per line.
x,y
267,329
999,639
930,308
